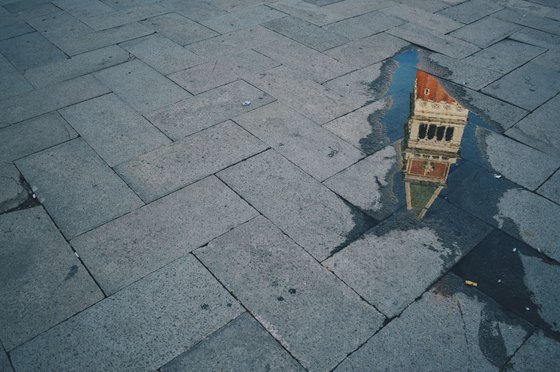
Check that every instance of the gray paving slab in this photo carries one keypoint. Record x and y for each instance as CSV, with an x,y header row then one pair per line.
x,y
4,361
367,51
315,65
242,18
141,87
307,211
551,188
59,26
306,33
536,37
305,96
306,144
171,167
450,328
43,282
540,23
521,213
12,84
123,16
429,5
15,29
25,106
140,328
465,72
505,55
364,25
115,131
371,184
538,353
193,9
291,294
6,67
549,59
538,129
443,44
18,6
178,28
7,18
527,87
351,8
379,265
134,245
162,54
30,50
77,44
536,9
76,66
83,8
76,187
357,84
30,136
242,345
207,109
435,22
220,71
486,31
321,2
13,191
470,11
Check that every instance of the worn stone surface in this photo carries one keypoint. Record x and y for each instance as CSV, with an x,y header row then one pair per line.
x,y
486,31
178,28
115,131
540,23
34,135
470,11
357,85
58,27
43,282
435,22
13,191
13,83
291,294
551,188
123,16
505,55
168,306
242,18
539,352
306,144
307,211
242,345
195,10
83,8
15,29
76,187
207,109
452,327
364,25
171,167
30,50
4,361
536,37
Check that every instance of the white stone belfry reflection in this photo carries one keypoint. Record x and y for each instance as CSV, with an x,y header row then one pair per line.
x,y
433,138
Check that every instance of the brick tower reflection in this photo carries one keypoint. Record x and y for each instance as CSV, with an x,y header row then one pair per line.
x,y
433,138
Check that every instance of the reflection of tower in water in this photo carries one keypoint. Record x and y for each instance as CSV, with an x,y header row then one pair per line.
x,y
433,138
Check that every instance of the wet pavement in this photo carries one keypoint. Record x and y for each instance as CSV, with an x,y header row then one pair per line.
x,y
279,185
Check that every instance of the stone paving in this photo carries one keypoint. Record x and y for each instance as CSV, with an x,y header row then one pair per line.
x,y
231,185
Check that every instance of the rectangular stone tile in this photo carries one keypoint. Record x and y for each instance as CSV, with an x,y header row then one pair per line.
x,y
14,191
357,84
539,129
133,246
532,7
351,8
15,6
291,294
207,109
168,306
536,37
30,50
314,149
304,209
76,187
40,101
527,87
444,44
521,213
124,16
169,168
486,31
84,43
434,22
15,29
83,8
242,345
242,18
59,26
222,70
364,25
549,59
529,20
7,18
34,135
115,131
306,33
162,54
178,28
76,66
505,55
13,83
305,96
367,51
470,11
4,361
43,282
539,352
378,266
551,188
313,64
193,9
429,5
456,326
141,87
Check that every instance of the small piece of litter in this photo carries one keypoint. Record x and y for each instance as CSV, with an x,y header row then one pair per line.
x,y
499,280
34,196
76,253
515,249
246,103
527,309
471,283
497,175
